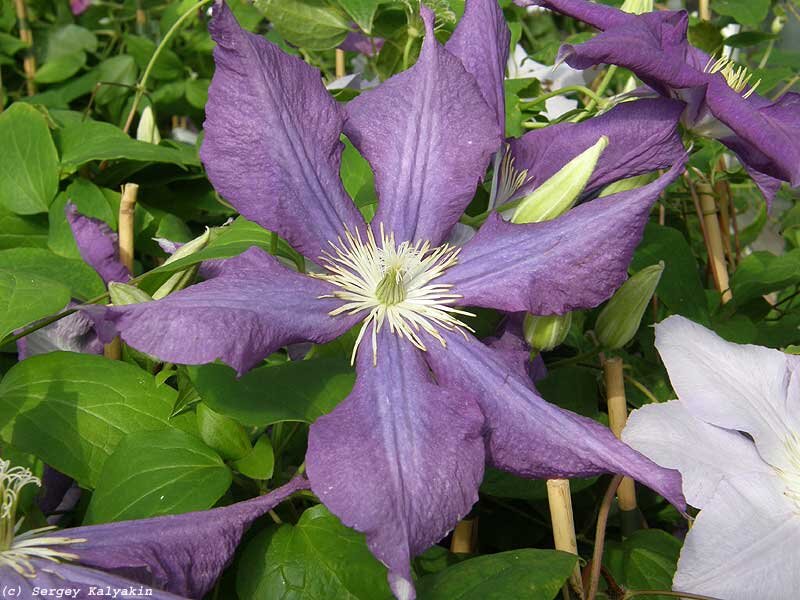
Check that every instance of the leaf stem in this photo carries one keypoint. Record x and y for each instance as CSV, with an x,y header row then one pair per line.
x,y
595,96
600,536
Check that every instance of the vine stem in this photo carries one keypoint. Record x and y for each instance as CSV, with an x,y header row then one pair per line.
x,y
600,536
595,96
146,75
598,94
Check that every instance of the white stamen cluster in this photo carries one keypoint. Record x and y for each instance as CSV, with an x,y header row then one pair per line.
x,y
509,178
735,75
393,283
16,551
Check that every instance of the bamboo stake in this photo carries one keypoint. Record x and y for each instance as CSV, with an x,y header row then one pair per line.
x,y
465,537
29,61
704,10
340,66
716,257
618,416
564,527
127,212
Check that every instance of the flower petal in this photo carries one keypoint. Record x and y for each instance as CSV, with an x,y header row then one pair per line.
x,y
97,244
400,459
743,545
481,40
73,333
738,387
642,137
428,134
573,262
530,437
253,307
272,145
183,554
593,13
704,454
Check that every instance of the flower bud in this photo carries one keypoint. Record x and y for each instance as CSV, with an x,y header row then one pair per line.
x,y
122,294
778,23
559,193
223,434
181,279
637,7
545,333
621,317
624,185
147,131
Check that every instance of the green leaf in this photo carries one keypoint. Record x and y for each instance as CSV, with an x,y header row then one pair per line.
x,y
502,484
10,44
530,574
61,68
294,391
222,433
81,280
706,36
71,410
361,11
152,473
748,38
69,39
311,24
680,288
93,140
25,298
168,66
644,561
197,92
119,70
746,12
260,462
29,168
762,272
20,230
317,558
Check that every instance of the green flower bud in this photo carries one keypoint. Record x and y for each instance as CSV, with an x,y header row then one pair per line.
x,y
122,294
545,333
637,7
778,23
624,185
147,131
621,317
223,434
559,193
181,279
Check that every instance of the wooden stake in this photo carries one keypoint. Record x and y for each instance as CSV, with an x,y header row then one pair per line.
x,y
127,212
564,527
340,66
716,257
465,537
704,10
29,61
618,416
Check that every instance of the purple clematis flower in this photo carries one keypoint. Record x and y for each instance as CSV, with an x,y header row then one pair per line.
x,y
78,7
363,44
98,245
720,96
166,558
402,457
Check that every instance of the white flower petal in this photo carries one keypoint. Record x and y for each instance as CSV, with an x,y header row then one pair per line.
x,y
741,387
704,454
744,545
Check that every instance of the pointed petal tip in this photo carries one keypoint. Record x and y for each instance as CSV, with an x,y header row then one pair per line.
x,y
402,587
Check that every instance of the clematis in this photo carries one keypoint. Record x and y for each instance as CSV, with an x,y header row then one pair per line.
x,y
166,558
734,435
401,458
721,99
78,7
98,245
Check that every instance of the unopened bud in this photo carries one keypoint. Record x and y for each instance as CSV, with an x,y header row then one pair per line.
x,y
545,333
625,185
122,294
778,24
559,193
223,434
147,131
637,7
620,319
181,279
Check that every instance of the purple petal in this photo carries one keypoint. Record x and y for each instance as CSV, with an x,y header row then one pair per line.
x,y
272,144
78,7
253,307
593,13
767,135
363,44
183,554
573,262
400,459
428,134
642,137
98,245
515,350
528,436
84,583
481,40
73,333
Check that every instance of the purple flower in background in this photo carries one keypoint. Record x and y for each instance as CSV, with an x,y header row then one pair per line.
x,y
734,434
166,558
363,44
402,457
720,96
99,247
78,7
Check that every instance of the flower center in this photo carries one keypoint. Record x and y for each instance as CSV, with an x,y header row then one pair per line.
x,y
735,75
393,284
508,178
16,551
